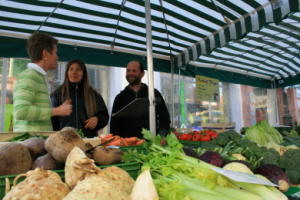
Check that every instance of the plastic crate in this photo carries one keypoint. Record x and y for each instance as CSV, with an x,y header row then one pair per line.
x,y
195,144
187,143
140,148
132,168
293,193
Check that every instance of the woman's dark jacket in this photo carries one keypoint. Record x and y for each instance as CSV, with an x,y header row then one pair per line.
x,y
79,115
132,126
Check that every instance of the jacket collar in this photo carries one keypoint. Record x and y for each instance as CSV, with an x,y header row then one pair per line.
x,y
36,68
128,88
76,85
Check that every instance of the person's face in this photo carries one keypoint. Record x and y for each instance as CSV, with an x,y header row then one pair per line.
x,y
52,58
75,73
133,73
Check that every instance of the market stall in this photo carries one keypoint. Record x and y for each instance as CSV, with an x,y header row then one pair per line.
x,y
226,166
214,39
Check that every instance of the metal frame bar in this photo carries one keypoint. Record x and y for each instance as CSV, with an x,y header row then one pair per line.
x,y
5,70
150,68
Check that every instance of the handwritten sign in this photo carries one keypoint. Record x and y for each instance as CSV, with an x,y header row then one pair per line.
x,y
206,88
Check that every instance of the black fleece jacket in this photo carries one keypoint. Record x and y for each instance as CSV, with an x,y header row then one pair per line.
x,y
129,127
79,115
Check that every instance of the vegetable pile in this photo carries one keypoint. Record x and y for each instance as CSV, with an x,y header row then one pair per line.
x,y
199,136
289,156
177,176
50,154
83,180
230,146
111,140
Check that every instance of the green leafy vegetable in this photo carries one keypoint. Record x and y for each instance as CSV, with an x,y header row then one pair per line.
x,y
262,133
80,132
25,136
177,176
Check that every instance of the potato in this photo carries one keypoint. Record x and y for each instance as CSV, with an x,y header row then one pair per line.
x,y
62,142
106,156
36,146
14,158
46,162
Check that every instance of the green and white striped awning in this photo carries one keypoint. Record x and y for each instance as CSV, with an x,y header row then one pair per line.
x,y
254,42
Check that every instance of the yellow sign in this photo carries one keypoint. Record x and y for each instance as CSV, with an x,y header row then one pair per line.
x,y
206,88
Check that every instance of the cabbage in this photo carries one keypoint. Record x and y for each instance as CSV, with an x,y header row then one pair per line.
x,y
262,133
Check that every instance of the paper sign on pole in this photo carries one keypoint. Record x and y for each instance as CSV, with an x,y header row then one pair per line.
x,y
206,88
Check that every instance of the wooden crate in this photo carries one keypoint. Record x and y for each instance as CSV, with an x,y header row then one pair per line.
x,y
219,127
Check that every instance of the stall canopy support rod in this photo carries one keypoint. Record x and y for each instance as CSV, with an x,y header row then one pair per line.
x,y
150,68
172,64
3,92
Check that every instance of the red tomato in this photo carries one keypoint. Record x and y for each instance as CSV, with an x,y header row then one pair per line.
x,y
196,137
205,138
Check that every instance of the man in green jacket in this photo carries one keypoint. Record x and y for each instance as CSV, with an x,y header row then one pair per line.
x,y
32,106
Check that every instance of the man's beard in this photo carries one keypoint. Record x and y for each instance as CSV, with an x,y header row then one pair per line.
x,y
135,82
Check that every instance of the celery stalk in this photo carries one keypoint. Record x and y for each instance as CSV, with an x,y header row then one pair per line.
x,y
237,193
195,195
277,192
260,190
232,193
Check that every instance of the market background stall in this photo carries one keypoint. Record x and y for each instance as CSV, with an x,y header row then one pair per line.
x,y
245,42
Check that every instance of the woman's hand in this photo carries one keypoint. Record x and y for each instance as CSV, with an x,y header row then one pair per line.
x,y
91,123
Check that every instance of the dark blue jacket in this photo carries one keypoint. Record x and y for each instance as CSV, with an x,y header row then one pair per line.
x,y
132,126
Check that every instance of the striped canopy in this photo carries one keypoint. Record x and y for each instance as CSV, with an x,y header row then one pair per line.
x,y
253,42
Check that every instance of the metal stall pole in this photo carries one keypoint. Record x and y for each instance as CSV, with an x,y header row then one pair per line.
x,y
172,92
179,114
3,92
150,68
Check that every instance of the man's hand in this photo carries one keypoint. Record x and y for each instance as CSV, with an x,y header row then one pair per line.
x,y
64,109
91,123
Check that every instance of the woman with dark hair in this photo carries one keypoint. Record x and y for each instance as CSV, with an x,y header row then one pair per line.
x,y
89,112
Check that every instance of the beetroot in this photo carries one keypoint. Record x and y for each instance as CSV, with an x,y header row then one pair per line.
x,y
213,158
190,152
275,174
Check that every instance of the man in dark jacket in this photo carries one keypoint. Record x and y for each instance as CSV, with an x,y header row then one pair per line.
x,y
132,126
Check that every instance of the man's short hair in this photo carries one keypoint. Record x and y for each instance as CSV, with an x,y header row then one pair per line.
x,y
37,42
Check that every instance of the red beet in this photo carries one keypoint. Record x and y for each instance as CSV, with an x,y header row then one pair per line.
x,y
213,158
275,174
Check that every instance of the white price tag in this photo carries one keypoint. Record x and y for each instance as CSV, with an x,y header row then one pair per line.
x,y
296,195
243,177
